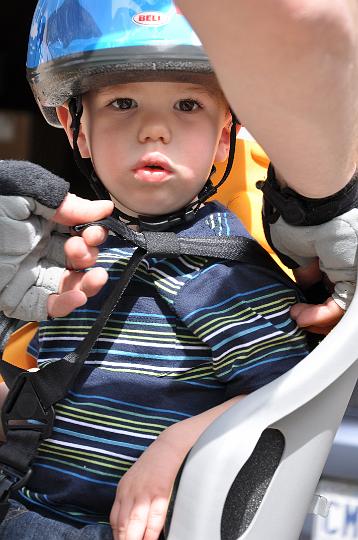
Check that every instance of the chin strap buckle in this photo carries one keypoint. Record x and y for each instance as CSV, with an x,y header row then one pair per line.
x,y
169,221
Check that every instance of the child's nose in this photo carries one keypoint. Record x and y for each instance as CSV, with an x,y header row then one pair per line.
x,y
154,129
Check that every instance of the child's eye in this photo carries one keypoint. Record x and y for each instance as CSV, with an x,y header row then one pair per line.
x,y
187,105
124,104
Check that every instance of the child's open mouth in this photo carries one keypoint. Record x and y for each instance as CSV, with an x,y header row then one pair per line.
x,y
153,170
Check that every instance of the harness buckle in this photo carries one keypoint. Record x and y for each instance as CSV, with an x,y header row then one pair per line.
x,y
23,409
10,481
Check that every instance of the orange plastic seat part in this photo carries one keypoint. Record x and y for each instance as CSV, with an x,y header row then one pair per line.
x,y
240,194
16,348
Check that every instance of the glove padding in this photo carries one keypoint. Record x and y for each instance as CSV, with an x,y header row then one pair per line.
x,y
32,259
334,243
300,230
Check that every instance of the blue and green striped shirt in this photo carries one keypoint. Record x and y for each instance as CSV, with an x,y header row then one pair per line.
x,y
189,334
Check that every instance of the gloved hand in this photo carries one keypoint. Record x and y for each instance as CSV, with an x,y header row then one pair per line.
x,y
35,214
318,238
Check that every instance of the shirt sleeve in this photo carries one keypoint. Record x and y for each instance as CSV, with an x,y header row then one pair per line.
x,y
242,313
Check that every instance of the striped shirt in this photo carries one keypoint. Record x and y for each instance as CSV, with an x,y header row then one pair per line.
x,y
189,334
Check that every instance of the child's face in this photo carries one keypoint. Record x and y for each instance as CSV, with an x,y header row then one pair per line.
x,y
153,143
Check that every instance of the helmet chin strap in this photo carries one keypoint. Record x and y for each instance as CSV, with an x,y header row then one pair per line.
x,y
151,223
84,164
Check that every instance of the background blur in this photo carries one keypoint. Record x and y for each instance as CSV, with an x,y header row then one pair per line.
x,y
24,134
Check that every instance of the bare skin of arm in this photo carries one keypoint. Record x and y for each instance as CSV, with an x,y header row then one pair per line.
x,y
289,71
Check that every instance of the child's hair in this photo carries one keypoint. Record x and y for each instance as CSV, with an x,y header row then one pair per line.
x,y
81,45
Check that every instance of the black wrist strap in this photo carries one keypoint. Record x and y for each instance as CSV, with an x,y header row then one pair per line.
x,y
298,210
26,179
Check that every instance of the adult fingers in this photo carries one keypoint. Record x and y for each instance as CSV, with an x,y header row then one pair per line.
x,y
74,210
90,283
75,289
319,329
93,281
94,235
297,309
78,254
60,305
320,316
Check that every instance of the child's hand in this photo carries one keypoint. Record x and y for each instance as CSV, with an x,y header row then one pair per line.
x,y
81,252
320,318
143,494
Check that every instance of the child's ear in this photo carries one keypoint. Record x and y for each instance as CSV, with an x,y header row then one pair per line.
x,y
223,148
65,119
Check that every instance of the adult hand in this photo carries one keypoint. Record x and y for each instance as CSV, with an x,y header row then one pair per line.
x,y
81,252
316,318
320,318
33,255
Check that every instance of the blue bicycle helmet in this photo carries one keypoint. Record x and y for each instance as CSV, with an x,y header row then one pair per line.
x,y
79,45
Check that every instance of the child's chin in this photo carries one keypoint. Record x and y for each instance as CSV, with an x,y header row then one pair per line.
x,y
155,208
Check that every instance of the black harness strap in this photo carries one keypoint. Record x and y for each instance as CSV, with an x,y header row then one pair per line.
x,y
28,412
168,244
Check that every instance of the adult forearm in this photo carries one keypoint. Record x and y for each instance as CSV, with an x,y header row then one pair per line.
x,y
289,70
